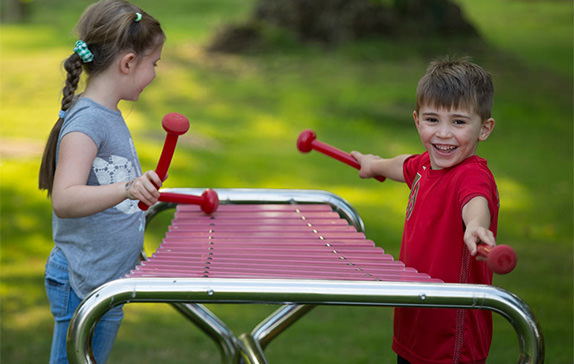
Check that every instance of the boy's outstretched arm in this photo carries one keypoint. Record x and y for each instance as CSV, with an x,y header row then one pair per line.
x,y
372,166
476,217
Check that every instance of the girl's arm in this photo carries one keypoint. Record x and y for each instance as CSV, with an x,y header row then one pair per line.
x,y
372,165
476,217
71,197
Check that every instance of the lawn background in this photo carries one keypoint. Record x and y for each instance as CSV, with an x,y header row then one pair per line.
x,y
246,112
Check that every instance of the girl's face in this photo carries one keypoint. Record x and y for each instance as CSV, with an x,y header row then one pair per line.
x,y
144,71
450,136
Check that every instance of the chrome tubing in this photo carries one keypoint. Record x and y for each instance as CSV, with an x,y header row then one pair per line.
x,y
213,327
255,343
214,290
277,322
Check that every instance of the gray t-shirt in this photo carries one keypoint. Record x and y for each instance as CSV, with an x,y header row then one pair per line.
x,y
106,245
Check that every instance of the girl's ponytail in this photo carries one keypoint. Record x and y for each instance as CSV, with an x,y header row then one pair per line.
x,y
73,67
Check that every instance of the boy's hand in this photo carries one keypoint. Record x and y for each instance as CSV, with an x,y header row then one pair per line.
x,y
367,162
476,217
144,188
375,166
475,235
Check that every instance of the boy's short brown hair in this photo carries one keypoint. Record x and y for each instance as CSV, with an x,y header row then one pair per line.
x,y
456,84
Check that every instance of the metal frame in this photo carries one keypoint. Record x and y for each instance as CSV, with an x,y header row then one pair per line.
x,y
297,296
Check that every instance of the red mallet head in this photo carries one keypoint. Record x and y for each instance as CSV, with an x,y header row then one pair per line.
x,y
305,140
501,259
175,123
210,201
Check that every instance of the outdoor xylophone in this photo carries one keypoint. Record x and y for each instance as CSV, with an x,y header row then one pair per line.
x,y
291,247
501,259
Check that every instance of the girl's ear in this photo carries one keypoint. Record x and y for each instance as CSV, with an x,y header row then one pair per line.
x,y
486,129
127,62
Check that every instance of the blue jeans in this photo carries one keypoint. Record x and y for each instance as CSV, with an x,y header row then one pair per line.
x,y
63,303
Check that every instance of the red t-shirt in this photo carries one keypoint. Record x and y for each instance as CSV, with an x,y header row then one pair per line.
x,y
433,243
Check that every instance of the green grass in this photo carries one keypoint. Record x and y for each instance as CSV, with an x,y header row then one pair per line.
x,y
246,113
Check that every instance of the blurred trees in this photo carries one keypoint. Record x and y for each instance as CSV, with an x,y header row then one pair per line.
x,y
14,11
331,22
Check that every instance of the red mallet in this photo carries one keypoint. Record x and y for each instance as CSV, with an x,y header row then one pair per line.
x,y
208,201
175,125
500,259
307,141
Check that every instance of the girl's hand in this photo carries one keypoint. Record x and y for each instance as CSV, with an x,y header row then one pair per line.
x,y
144,188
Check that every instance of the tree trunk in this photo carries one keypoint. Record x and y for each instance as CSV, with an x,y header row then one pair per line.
x,y
335,21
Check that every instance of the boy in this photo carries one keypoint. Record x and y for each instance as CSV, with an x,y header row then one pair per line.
x,y
453,206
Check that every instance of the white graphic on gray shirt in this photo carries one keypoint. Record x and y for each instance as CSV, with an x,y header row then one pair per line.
x,y
118,169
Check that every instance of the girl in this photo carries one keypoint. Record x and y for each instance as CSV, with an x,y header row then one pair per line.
x,y
91,170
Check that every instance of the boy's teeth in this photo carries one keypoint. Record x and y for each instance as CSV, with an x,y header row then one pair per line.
x,y
445,148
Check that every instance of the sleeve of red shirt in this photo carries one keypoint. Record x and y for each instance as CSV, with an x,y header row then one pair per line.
x,y
412,165
477,180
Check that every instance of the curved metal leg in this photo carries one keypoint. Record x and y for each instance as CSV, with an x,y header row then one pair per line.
x,y
278,322
209,323
253,351
270,328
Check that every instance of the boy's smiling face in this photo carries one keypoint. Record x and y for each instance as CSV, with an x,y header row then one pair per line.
x,y
450,135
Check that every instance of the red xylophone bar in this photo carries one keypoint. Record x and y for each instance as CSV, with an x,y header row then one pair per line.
x,y
236,242
307,141
501,258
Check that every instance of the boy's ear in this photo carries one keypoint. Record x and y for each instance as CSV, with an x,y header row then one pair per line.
x,y
416,118
486,128
127,62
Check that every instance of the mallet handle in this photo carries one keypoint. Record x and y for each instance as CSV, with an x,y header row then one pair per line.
x,y
308,140
181,198
208,201
166,155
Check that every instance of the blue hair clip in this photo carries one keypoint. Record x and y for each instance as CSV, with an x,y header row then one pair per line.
x,y
62,114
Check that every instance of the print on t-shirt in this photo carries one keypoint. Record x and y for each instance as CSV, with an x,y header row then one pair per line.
x,y
413,195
